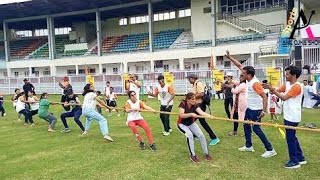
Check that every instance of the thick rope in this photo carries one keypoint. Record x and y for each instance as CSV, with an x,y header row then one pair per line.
x,y
240,121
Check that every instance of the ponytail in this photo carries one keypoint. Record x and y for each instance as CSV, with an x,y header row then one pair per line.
x,y
86,89
42,95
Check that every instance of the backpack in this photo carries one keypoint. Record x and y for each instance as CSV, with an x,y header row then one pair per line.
x,y
207,95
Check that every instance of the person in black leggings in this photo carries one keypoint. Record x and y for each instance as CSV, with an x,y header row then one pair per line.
x,y
66,86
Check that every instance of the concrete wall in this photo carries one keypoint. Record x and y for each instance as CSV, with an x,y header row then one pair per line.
x,y
226,30
111,27
200,22
270,18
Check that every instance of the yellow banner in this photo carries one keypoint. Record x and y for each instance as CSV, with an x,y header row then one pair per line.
x,y
168,78
125,78
218,79
273,76
90,79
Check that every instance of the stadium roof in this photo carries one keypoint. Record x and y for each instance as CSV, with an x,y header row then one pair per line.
x,y
111,9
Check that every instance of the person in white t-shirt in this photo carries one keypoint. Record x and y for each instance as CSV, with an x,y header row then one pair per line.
x,y
34,102
133,107
89,111
166,96
134,85
291,93
15,100
107,93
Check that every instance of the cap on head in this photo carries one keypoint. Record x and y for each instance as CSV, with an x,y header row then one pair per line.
x,y
66,78
229,74
25,80
192,76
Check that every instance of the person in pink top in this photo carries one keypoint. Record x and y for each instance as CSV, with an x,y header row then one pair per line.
x,y
239,103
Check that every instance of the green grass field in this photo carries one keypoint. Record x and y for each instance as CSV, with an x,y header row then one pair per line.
x,y
33,153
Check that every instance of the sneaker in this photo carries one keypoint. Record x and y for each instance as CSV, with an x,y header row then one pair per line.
x,y
85,133
118,115
109,138
303,162
214,141
65,130
166,133
142,146
291,165
208,157
5,114
245,148
268,154
51,130
232,133
26,124
19,120
153,147
194,159
31,125
170,130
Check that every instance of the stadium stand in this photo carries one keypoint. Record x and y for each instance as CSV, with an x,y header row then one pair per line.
x,y
21,48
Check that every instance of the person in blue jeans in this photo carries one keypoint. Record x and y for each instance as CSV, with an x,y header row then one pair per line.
x,y
256,109
89,111
291,93
73,101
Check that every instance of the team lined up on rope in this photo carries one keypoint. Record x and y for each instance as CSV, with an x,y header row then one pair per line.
x,y
248,107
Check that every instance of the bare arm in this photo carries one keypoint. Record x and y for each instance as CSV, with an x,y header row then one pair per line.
x,y
138,83
183,115
265,101
199,111
233,60
103,103
238,89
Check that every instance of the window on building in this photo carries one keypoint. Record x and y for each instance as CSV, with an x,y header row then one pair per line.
x,y
16,74
184,13
123,21
46,73
115,70
41,32
166,67
104,70
5,74
26,73
61,31
71,71
172,15
36,73
24,33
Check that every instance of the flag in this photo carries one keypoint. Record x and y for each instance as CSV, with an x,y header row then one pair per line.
x,y
212,63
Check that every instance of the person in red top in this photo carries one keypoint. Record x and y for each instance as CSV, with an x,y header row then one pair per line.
x,y
189,112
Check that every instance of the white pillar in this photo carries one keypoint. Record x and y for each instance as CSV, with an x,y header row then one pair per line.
x,y
30,71
99,33
53,70
125,67
181,64
252,60
6,34
152,66
9,72
77,69
150,14
213,22
100,69
51,38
